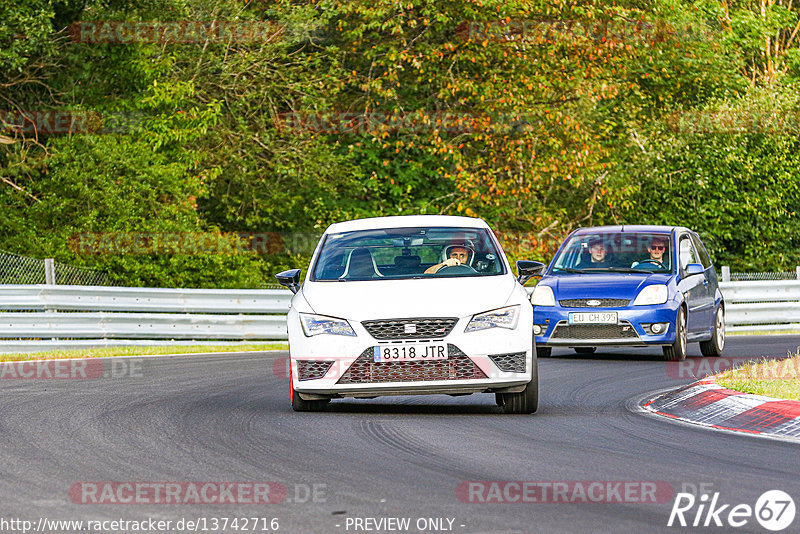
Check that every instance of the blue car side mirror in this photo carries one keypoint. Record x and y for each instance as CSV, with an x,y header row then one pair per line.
x,y
694,268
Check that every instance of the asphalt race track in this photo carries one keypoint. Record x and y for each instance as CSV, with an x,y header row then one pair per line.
x,y
226,418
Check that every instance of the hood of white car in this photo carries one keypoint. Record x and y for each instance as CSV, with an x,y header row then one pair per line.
x,y
396,299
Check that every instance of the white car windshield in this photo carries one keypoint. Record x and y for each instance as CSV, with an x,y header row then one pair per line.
x,y
615,252
406,253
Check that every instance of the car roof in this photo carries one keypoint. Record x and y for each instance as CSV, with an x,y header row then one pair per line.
x,y
629,228
407,221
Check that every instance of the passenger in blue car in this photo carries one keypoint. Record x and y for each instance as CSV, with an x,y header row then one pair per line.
x,y
597,257
657,249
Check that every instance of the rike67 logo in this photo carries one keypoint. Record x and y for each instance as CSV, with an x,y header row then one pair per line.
x,y
774,510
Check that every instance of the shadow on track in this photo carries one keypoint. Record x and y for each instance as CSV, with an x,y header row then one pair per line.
x,y
405,408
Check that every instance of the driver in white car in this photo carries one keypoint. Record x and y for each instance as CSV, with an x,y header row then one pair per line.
x,y
456,255
657,249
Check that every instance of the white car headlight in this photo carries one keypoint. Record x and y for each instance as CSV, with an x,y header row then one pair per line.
x,y
655,294
320,324
543,296
502,318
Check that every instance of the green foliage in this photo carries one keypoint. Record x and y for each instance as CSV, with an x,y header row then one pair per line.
x,y
537,116
740,190
25,33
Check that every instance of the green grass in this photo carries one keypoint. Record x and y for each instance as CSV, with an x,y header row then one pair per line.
x,y
106,352
764,333
773,378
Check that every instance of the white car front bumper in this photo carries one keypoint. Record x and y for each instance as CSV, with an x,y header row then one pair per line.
x,y
495,359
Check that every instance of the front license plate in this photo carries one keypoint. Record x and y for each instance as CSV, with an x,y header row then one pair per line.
x,y
593,318
410,352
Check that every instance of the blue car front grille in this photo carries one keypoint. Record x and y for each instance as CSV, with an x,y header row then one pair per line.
x,y
594,331
595,303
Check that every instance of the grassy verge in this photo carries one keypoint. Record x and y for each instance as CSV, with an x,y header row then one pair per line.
x,y
773,378
764,333
106,352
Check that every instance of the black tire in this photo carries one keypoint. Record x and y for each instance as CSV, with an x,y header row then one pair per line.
x,y
713,347
585,350
677,351
543,352
527,400
302,405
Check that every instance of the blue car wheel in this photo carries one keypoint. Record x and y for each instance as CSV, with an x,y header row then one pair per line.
x,y
677,351
713,347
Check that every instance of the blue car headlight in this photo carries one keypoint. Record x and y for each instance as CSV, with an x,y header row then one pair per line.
x,y
654,294
320,324
502,318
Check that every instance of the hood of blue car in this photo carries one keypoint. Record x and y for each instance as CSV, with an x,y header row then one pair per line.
x,y
596,285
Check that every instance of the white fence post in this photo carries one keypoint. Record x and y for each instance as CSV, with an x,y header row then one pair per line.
x,y
726,273
49,272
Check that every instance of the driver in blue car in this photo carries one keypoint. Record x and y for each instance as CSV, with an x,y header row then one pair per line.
x,y
657,249
456,255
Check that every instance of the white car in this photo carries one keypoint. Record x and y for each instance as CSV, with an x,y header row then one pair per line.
x,y
370,321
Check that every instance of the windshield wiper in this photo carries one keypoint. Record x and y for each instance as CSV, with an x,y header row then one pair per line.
x,y
569,270
626,270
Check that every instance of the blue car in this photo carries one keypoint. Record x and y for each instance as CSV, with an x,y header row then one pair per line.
x,y
630,286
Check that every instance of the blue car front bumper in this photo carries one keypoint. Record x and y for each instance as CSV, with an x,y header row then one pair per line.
x,y
631,328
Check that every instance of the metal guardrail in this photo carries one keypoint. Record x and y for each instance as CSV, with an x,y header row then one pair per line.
x,y
142,326
762,306
142,299
49,316
45,317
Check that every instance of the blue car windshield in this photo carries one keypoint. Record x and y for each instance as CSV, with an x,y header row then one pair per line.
x,y
622,252
407,253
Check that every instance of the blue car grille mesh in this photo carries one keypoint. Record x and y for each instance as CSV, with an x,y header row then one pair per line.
x,y
594,331
603,303
457,366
